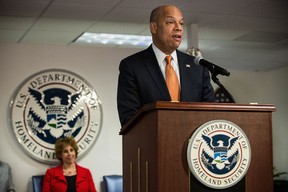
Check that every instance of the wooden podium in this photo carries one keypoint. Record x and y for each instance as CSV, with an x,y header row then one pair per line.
x,y
155,143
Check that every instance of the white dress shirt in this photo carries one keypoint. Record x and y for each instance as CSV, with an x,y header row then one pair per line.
x,y
162,63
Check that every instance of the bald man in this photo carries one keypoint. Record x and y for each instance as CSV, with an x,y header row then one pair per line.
x,y
142,78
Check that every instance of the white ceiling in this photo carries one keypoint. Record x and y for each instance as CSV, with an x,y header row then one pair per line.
x,y
247,35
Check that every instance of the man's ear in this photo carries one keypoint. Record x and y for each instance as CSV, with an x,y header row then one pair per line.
x,y
153,27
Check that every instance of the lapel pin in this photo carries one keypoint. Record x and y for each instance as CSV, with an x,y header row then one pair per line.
x,y
187,65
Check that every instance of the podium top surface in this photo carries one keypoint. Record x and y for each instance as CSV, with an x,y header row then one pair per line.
x,y
198,106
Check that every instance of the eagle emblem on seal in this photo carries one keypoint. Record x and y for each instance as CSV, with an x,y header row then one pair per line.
x,y
56,113
220,153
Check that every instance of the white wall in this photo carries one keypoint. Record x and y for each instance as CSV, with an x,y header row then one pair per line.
x,y
266,88
99,66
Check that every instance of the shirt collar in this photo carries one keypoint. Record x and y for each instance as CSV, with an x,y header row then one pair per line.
x,y
161,56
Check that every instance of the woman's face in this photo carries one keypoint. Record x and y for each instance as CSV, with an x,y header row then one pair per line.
x,y
68,155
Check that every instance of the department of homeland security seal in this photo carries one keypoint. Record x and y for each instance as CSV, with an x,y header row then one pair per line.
x,y
219,154
54,104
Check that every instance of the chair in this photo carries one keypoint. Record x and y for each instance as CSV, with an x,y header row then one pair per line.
x,y
113,183
37,182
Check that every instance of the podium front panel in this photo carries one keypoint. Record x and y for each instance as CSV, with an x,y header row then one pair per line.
x,y
155,150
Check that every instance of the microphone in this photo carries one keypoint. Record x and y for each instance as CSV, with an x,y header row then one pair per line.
x,y
214,69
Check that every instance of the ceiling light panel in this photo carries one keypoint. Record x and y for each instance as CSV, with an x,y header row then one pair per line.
x,y
114,39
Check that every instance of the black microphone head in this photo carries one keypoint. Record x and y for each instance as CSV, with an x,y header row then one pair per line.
x,y
214,69
197,59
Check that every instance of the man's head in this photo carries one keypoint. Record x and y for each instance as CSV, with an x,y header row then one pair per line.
x,y
166,26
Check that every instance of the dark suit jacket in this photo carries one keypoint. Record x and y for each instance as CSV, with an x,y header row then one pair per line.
x,y
55,181
141,82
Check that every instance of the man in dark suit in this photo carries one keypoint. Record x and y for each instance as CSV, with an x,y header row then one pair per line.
x,y
142,75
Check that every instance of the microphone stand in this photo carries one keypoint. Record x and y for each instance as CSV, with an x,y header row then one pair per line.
x,y
225,91
195,52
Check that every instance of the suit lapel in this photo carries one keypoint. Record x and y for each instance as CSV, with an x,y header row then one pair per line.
x,y
154,70
80,174
59,173
184,70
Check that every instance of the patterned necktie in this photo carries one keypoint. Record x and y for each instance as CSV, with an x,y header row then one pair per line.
x,y
172,80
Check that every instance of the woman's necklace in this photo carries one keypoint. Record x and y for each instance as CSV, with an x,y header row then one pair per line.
x,y
69,171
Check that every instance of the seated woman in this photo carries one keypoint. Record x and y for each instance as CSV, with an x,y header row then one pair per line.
x,y
68,176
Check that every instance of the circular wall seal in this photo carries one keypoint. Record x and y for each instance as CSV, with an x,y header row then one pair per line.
x,y
53,104
219,154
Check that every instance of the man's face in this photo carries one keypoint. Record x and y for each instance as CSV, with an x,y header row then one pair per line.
x,y
167,32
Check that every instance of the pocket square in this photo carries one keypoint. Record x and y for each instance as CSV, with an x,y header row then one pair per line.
x,y
187,65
